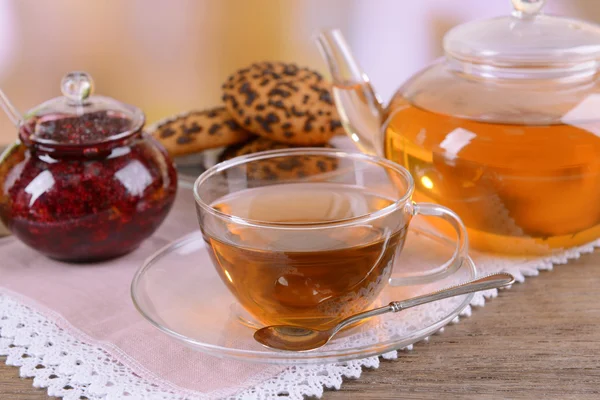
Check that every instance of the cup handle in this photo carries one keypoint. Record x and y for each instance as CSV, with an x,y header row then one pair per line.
x,y
460,252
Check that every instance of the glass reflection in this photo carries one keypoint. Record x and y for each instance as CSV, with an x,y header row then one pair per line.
x,y
39,185
135,177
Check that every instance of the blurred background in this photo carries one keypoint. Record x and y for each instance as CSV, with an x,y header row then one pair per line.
x,y
171,56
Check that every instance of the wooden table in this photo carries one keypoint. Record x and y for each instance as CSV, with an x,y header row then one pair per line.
x,y
539,340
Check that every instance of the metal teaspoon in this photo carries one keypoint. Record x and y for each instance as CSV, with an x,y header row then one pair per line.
x,y
297,338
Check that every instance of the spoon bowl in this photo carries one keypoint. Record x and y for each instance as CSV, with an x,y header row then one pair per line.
x,y
292,338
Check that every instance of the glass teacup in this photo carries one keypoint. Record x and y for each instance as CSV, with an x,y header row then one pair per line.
x,y
309,236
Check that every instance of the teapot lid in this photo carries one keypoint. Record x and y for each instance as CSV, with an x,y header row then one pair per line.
x,y
527,38
79,118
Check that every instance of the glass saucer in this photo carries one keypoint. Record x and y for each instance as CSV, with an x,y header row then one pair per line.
x,y
179,292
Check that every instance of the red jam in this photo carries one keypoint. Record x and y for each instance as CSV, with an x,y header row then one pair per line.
x,y
95,203
92,127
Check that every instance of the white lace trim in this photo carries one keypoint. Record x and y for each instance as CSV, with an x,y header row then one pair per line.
x,y
78,369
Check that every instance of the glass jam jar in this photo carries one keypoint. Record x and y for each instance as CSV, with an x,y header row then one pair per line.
x,y
84,182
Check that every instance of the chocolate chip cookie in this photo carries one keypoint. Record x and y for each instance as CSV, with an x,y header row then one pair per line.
x,y
283,102
199,130
276,169
253,146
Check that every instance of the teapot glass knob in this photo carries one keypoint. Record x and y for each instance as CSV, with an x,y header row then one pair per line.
x,y
527,8
77,86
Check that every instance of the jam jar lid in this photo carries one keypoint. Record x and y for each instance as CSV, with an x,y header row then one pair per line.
x,y
79,118
526,39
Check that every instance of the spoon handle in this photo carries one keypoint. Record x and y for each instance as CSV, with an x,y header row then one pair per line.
x,y
10,110
493,281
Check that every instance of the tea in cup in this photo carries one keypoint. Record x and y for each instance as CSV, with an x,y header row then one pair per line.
x,y
312,247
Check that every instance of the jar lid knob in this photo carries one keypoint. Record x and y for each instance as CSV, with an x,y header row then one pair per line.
x,y
527,8
77,86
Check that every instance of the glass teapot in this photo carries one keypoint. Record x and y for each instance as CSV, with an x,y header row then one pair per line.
x,y
504,130
83,182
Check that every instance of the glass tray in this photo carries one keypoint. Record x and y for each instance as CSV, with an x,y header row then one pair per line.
x,y
178,290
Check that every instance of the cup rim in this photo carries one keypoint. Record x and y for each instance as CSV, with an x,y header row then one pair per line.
x,y
240,160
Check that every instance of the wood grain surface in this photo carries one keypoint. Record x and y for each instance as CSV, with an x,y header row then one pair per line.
x,y
539,340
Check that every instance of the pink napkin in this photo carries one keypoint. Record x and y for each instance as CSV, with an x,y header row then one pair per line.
x,y
93,303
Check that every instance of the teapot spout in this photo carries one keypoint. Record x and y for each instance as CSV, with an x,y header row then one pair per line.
x,y
359,107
